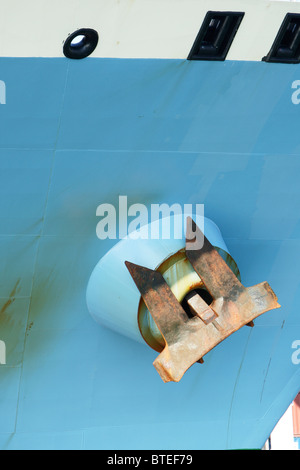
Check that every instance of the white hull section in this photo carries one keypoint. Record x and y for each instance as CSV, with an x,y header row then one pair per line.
x,y
161,29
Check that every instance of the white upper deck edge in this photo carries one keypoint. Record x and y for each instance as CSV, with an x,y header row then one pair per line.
x,y
163,29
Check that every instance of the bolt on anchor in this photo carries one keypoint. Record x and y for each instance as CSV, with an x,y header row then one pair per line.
x,y
187,339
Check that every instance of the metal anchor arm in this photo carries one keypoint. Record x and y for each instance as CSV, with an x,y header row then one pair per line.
x,y
214,272
232,301
165,309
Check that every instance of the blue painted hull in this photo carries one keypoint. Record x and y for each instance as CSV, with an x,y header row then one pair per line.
x,y
78,134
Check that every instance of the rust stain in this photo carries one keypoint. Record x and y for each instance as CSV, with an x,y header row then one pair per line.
x,y
15,289
11,299
6,305
30,325
50,287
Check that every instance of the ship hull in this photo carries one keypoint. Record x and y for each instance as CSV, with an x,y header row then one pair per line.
x,y
77,134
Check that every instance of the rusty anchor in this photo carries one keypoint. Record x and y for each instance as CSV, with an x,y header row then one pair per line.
x,y
189,338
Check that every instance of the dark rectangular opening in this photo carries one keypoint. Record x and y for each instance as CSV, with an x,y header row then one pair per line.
x,y
216,35
286,47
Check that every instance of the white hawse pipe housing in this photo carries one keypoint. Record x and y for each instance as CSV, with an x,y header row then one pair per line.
x,y
112,297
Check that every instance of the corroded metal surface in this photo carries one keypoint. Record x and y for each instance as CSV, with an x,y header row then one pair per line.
x,y
181,277
187,339
200,308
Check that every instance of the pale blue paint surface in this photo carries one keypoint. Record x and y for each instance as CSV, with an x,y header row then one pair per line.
x,y
76,134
